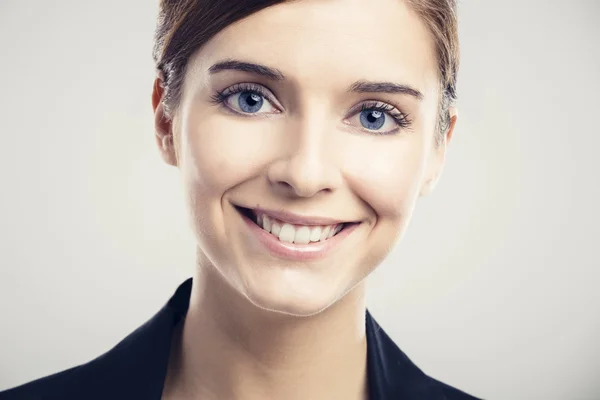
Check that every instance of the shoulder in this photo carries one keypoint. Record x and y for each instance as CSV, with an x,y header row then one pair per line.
x,y
452,393
47,388
394,375
133,369
130,370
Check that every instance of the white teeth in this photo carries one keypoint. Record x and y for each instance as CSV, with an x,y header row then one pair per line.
x,y
315,234
338,229
325,233
275,228
266,223
335,230
299,234
331,233
302,235
259,220
287,233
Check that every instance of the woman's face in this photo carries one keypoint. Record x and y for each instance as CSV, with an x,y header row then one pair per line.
x,y
314,113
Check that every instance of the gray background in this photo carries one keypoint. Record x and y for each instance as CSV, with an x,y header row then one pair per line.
x,y
493,289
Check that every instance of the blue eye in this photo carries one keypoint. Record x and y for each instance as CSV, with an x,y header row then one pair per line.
x,y
247,99
250,102
378,117
372,119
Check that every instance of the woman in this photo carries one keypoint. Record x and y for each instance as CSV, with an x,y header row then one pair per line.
x,y
304,132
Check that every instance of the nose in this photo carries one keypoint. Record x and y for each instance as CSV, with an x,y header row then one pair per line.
x,y
307,166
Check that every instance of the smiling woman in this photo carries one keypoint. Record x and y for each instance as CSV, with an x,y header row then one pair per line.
x,y
304,132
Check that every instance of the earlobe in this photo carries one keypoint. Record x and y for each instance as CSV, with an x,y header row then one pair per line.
x,y
163,125
453,117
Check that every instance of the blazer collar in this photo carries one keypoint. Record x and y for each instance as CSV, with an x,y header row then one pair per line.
x,y
391,374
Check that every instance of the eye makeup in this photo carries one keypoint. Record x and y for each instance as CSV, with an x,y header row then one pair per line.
x,y
222,96
373,114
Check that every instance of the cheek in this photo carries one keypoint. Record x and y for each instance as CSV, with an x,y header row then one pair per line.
x,y
388,173
219,152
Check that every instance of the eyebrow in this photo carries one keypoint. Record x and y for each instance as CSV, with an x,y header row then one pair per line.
x,y
235,65
385,87
274,74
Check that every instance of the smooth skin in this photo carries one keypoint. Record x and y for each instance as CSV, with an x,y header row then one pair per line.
x,y
261,327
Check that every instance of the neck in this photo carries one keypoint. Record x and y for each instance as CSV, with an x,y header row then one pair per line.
x,y
227,347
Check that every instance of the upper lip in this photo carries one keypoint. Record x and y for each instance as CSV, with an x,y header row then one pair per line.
x,y
297,219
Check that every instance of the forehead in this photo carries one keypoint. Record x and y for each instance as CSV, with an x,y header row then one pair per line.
x,y
333,41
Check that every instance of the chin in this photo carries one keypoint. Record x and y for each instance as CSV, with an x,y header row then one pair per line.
x,y
292,294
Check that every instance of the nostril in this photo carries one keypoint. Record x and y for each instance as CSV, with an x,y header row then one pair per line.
x,y
285,185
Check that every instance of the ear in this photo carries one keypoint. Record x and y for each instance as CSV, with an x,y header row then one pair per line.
x,y
438,157
163,124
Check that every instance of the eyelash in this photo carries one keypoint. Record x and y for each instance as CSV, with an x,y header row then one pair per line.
x,y
402,120
222,95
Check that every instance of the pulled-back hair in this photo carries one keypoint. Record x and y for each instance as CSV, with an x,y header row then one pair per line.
x,y
184,26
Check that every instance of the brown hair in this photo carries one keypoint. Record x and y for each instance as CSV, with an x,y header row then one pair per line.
x,y
184,26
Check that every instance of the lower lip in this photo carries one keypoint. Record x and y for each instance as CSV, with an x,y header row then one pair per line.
x,y
298,252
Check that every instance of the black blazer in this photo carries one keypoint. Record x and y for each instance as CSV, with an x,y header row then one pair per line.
x,y
136,367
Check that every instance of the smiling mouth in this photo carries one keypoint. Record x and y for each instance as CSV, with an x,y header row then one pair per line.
x,y
294,233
